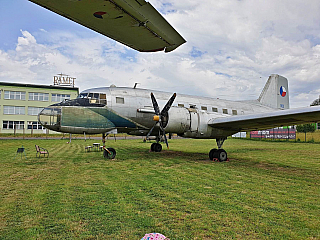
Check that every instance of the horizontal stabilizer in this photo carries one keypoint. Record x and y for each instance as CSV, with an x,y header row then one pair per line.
x,y
261,121
135,23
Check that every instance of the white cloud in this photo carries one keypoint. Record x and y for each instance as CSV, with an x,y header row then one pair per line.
x,y
232,47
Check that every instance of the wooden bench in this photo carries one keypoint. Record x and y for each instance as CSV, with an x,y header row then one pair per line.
x,y
41,150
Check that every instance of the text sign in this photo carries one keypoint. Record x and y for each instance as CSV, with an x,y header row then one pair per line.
x,y
274,133
63,80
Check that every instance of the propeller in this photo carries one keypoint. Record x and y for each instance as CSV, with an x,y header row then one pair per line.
x,y
161,117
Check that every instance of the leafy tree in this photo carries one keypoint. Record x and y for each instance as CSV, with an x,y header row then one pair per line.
x,y
309,127
315,102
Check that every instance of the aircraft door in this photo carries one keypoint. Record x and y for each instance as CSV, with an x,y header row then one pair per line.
x,y
194,121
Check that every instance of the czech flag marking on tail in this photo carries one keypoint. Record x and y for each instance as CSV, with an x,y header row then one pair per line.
x,y
283,91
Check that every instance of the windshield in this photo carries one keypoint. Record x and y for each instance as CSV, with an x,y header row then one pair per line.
x,y
100,98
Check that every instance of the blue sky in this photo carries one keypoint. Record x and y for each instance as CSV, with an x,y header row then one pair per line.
x,y
232,47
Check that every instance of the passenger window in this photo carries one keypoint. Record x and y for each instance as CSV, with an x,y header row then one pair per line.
x,y
225,111
120,100
234,112
192,106
180,105
204,108
214,109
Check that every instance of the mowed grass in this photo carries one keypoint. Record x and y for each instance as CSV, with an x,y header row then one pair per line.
x,y
268,190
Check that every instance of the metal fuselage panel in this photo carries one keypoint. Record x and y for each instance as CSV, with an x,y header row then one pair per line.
x,y
130,110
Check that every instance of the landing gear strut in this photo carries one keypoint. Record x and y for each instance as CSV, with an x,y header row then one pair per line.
x,y
109,153
219,154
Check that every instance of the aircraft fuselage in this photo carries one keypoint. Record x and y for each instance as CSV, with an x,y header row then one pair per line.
x,y
130,110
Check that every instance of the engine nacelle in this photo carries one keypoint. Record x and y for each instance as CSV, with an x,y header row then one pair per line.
x,y
178,120
193,123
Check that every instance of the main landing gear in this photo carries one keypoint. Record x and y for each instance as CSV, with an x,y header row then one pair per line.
x,y
109,153
218,154
156,147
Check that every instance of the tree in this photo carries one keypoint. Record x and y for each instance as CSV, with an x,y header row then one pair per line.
x,y
309,127
315,102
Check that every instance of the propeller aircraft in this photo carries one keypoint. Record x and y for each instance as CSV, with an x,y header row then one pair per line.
x,y
137,112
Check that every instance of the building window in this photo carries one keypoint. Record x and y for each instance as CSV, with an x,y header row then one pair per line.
x,y
204,108
38,96
120,100
34,111
234,112
14,95
225,111
13,125
59,97
35,125
214,109
14,110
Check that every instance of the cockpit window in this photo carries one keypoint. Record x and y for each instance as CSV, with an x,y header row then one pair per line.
x,y
100,98
83,95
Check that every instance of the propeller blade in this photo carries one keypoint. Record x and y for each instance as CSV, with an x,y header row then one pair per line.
x,y
168,105
155,104
164,135
150,131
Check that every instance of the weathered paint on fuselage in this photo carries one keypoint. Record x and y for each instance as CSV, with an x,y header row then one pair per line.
x,y
130,110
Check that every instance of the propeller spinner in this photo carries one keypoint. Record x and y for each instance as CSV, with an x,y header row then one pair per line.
x,y
161,117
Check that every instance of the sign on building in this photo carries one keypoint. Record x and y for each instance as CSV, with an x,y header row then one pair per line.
x,y
275,133
63,80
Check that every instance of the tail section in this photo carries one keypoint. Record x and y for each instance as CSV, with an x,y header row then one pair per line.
x,y
275,93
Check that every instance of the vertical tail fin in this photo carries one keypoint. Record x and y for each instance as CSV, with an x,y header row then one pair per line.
x,y
275,93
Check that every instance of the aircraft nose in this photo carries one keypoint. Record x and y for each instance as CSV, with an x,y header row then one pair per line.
x,y
50,117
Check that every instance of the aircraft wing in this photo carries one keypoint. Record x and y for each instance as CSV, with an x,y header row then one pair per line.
x,y
268,119
135,23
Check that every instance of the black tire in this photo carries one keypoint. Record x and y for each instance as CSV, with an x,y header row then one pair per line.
x,y
110,155
157,147
222,155
212,153
152,147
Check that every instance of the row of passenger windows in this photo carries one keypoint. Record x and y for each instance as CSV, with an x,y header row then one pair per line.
x,y
20,125
213,109
20,110
120,100
34,96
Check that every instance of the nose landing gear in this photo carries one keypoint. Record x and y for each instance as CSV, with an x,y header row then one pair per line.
x,y
109,153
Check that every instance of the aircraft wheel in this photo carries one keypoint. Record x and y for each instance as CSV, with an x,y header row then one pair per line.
x,y
110,155
157,147
212,153
152,147
221,155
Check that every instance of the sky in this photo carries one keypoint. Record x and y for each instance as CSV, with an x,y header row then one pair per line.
x,y
232,47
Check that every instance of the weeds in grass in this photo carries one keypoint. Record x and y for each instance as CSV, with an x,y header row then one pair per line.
x,y
268,190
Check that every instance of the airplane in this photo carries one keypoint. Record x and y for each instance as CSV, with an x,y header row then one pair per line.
x,y
145,112
135,23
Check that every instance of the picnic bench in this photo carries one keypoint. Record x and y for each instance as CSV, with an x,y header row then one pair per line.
x,y
41,150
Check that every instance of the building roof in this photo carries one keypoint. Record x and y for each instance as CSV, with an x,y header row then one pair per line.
x,y
38,86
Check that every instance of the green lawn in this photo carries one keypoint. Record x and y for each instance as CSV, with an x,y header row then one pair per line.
x,y
268,190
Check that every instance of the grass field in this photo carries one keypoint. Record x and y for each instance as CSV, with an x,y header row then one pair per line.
x,y
268,190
